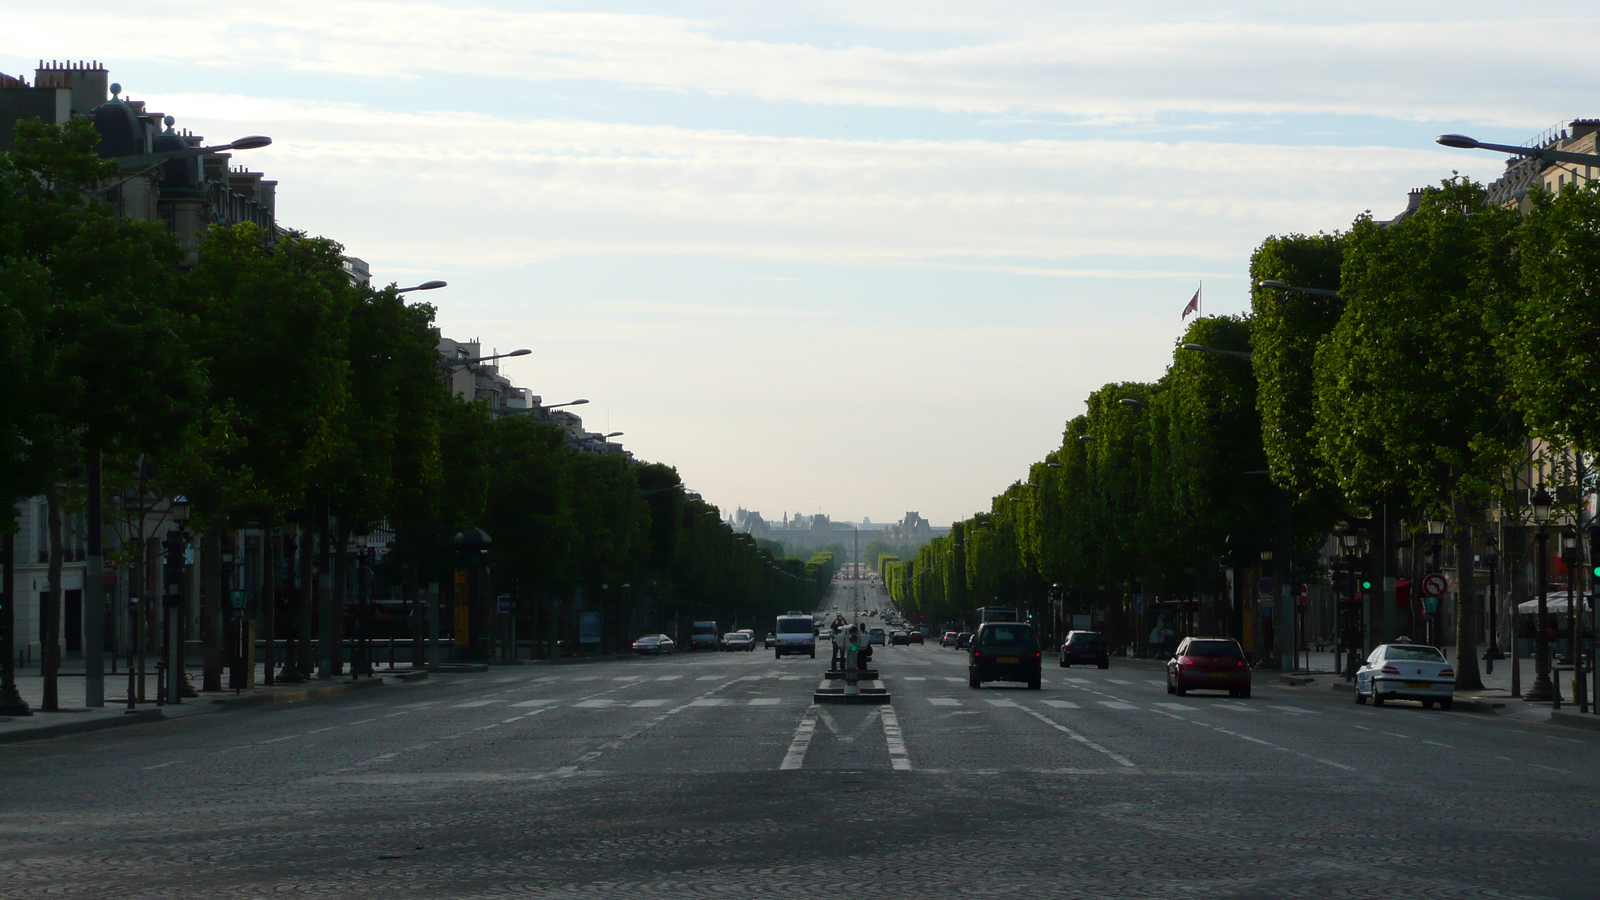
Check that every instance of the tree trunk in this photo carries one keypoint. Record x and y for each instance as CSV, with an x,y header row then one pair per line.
x,y
1467,676
211,590
50,608
304,597
267,591
341,583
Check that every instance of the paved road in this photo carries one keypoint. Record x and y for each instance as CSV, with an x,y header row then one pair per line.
x,y
713,774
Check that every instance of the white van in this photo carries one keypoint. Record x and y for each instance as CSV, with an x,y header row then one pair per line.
x,y
795,634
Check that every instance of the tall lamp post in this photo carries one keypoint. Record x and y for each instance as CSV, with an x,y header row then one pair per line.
x,y
1491,560
1569,558
361,652
1542,689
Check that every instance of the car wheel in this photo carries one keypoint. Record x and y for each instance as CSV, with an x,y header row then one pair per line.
x,y
1170,689
777,655
1447,703
1106,664
1035,684
1064,664
972,681
1377,698
1244,694
1427,704
1361,699
813,654
1180,690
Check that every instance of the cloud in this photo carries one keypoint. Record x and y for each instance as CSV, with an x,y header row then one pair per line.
x,y
479,190
1157,58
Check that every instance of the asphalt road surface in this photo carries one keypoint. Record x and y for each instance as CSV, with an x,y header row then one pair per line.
x,y
713,774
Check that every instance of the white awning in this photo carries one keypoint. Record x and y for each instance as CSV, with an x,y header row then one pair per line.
x,y
1555,601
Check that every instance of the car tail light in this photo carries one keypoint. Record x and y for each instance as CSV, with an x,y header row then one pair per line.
x,y
1238,663
1185,661
977,655
1038,654
1447,672
1390,670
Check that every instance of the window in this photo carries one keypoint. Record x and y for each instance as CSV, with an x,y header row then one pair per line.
x,y
1008,636
1214,649
1425,654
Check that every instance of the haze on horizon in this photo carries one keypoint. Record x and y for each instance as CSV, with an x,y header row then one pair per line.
x,y
852,259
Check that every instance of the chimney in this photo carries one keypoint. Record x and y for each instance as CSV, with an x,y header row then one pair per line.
x,y
88,81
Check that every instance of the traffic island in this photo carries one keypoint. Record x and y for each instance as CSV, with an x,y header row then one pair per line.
x,y
868,696
862,674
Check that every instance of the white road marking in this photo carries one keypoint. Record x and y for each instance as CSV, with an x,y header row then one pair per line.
x,y
1296,709
1060,704
915,678
1178,706
1116,704
587,678
474,703
796,757
601,703
709,701
895,739
669,677
1118,758
765,701
711,678
627,678
1118,681
1000,701
1079,680
944,701
953,678
163,765
1156,682
535,702
648,704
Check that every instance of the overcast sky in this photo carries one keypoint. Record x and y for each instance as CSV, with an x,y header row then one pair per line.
x,y
858,258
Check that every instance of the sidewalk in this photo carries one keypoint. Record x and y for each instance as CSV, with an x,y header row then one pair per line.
x,y
74,717
1495,697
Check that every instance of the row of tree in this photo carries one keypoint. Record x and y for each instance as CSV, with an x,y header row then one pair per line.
x,y
273,392
1435,356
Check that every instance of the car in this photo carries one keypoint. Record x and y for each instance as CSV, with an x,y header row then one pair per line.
x,y
1209,663
913,637
875,635
653,645
1004,651
738,640
794,634
963,640
1406,671
1084,647
771,641
704,635
949,639
899,638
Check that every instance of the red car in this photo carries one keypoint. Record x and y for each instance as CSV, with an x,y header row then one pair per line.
x,y
1209,664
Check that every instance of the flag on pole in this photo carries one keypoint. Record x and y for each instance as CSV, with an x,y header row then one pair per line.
x,y
1194,304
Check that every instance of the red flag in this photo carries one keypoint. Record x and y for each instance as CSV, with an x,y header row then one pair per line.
x,y
1194,305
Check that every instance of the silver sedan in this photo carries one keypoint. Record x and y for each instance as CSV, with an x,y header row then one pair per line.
x,y
1403,671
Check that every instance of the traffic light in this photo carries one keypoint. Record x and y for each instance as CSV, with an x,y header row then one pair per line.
x,y
1594,549
1366,584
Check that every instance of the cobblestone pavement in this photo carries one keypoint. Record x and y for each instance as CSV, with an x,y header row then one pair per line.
x,y
714,775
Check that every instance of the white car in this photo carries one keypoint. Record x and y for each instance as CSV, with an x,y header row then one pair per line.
x,y
1403,671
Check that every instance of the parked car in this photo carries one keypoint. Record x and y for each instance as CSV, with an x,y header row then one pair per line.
x,y
738,640
1209,663
1004,651
653,645
949,639
1086,647
1403,671
963,640
771,641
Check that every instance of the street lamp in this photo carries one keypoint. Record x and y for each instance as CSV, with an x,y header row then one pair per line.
x,y
1543,689
1296,289
1491,560
1133,404
425,286
1241,354
448,364
1543,154
361,656
149,162
1569,558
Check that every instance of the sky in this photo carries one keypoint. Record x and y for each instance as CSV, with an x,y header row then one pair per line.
x,y
845,257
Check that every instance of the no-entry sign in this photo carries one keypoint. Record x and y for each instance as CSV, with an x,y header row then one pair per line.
x,y
1434,585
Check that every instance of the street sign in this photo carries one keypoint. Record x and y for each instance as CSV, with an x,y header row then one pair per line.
x,y
1430,605
504,603
1138,604
238,598
1266,587
1434,585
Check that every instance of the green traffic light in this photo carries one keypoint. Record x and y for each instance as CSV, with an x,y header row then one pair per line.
x,y
1366,585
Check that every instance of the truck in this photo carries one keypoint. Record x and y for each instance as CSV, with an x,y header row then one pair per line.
x,y
997,614
795,633
705,636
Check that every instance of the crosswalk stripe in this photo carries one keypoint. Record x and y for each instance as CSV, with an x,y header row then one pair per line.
x,y
765,701
944,701
1001,702
1060,704
1118,681
669,677
1116,704
953,678
709,701
1178,706
536,703
472,703
600,703
648,704
1296,709
711,678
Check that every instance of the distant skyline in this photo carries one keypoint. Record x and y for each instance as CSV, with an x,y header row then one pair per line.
x,y
852,258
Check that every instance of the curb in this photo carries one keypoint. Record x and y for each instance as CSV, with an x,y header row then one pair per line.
x,y
315,693
65,728
1575,720
446,668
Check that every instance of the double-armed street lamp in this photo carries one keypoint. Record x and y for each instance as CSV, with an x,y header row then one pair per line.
x,y
145,163
449,364
1297,289
425,286
1543,154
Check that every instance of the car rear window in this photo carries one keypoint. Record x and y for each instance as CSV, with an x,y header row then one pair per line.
x,y
1223,649
794,626
1084,639
1425,654
1007,636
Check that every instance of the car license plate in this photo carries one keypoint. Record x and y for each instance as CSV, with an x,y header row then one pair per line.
x,y
1419,685
1219,674
1006,659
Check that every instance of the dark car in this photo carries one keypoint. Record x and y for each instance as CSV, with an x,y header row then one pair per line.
x,y
1209,663
914,637
1086,647
1004,651
964,640
899,638
653,645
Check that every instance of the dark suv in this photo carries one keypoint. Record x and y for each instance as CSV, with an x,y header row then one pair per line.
x,y
1004,651
1086,647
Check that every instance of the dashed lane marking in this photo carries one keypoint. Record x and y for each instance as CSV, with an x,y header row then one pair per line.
x,y
796,756
765,701
1116,704
895,740
1116,757
648,704
944,701
1060,704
